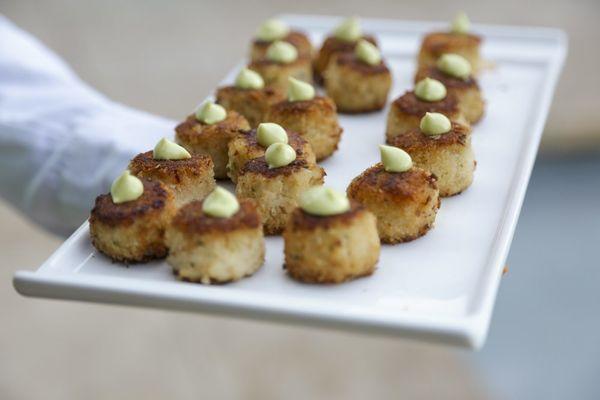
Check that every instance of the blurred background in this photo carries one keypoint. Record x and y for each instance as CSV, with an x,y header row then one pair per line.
x,y
163,57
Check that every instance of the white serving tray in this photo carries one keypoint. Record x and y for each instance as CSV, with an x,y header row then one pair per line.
x,y
440,287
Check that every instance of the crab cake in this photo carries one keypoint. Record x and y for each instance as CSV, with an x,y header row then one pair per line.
x,y
133,231
272,30
280,63
458,41
276,189
405,201
342,40
332,247
406,111
245,147
209,249
357,83
312,117
189,178
449,156
212,139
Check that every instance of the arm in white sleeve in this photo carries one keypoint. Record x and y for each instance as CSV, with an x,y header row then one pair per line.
x,y
61,142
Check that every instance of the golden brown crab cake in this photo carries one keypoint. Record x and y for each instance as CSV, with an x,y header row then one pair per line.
x,y
315,120
436,44
331,249
406,111
208,249
355,86
277,190
297,39
189,179
466,91
331,47
405,203
211,139
253,104
245,147
133,231
277,74
448,156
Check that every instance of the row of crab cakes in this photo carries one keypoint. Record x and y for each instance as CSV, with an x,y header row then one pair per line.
x,y
215,240
348,65
327,239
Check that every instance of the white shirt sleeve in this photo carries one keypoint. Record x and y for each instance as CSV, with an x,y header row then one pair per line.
x,y
61,142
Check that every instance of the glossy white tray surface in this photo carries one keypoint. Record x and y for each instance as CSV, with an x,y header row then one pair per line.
x,y
440,287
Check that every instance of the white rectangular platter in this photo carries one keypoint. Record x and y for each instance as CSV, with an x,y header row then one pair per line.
x,y
440,287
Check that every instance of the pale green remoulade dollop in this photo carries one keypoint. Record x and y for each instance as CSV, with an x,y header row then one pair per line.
x,y
268,133
272,29
210,113
220,203
323,201
367,52
435,124
349,30
461,23
300,91
248,79
282,52
454,65
279,155
430,90
168,150
394,159
126,188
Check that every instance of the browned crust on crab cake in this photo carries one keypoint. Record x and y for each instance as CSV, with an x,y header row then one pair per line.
x,y
152,200
133,231
189,179
296,38
298,143
169,171
410,104
330,47
191,219
193,132
459,134
303,221
331,249
400,185
316,120
253,104
211,140
259,166
405,203
244,147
